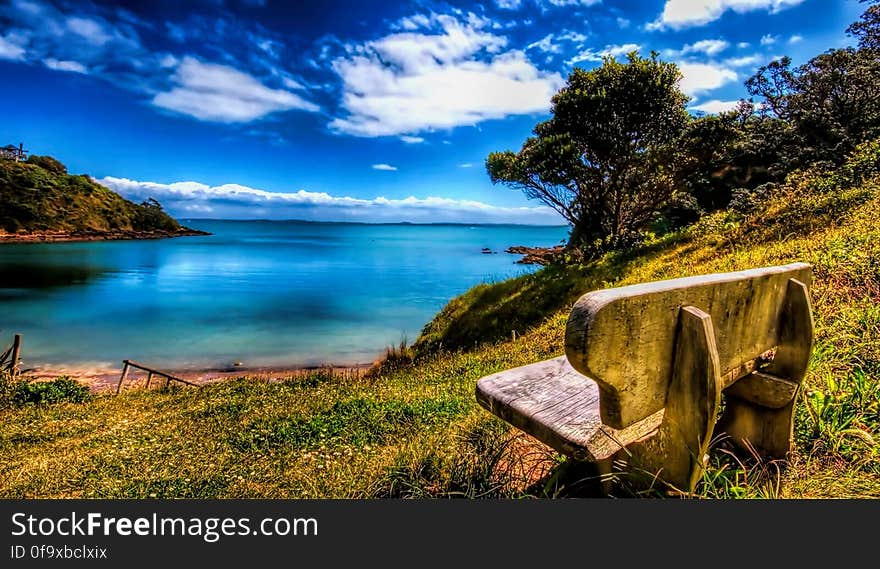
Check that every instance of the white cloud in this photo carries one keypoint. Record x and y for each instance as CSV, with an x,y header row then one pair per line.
x,y
110,50
623,23
545,44
572,2
703,77
609,50
91,30
233,201
168,61
412,139
31,8
715,106
466,165
679,14
212,92
415,22
516,4
795,39
708,47
106,42
10,49
744,61
291,83
410,82
743,44
569,35
73,66
768,39
551,42
385,167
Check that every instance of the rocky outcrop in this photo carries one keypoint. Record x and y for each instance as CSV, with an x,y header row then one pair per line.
x,y
535,255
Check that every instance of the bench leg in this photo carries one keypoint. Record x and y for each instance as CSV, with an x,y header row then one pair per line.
x,y
676,454
760,429
606,481
760,408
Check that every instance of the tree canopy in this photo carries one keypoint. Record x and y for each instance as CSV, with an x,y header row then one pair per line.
x,y
621,154
603,160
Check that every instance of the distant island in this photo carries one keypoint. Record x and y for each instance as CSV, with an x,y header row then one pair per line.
x,y
40,201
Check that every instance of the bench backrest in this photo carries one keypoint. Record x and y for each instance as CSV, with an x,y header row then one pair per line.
x,y
624,338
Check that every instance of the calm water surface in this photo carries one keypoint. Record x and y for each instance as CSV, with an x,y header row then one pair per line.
x,y
264,293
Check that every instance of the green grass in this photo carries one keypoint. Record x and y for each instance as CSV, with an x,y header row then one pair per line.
x,y
413,428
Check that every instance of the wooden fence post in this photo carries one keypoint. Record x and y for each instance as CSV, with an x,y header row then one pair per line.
x,y
122,377
16,354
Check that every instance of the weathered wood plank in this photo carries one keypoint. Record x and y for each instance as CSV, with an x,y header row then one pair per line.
x,y
795,333
756,422
731,376
764,389
676,453
624,338
560,407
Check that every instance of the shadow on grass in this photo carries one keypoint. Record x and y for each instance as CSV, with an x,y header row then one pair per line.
x,y
488,313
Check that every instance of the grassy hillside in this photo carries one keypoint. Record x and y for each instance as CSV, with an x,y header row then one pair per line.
x,y
414,429
40,196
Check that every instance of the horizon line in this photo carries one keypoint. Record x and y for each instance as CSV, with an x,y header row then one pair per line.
x,y
456,223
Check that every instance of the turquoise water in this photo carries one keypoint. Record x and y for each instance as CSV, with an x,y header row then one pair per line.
x,y
261,292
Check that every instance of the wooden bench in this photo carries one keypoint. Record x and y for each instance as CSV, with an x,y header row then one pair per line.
x,y
645,367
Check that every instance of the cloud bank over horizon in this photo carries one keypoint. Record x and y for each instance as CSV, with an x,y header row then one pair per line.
x,y
233,201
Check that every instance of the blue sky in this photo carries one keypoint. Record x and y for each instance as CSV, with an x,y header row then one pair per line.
x,y
350,110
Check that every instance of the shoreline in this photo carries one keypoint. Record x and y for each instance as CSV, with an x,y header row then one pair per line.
x,y
67,237
101,378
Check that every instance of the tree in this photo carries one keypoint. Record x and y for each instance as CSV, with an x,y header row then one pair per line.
x,y
149,215
705,149
832,101
738,149
604,159
152,204
867,29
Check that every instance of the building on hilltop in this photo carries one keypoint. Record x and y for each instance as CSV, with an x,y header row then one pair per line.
x,y
10,152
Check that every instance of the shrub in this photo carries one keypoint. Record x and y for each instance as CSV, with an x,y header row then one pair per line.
x,y
862,164
745,201
59,390
395,358
7,388
48,163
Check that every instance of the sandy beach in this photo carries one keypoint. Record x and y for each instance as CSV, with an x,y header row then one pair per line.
x,y
102,378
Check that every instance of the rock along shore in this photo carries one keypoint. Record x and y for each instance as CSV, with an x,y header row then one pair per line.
x,y
61,236
535,255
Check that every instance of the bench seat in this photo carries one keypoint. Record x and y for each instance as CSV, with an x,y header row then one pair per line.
x,y
560,407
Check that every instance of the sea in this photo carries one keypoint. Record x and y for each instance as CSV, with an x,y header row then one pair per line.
x,y
253,293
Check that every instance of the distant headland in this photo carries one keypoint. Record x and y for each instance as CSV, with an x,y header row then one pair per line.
x,y
41,202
